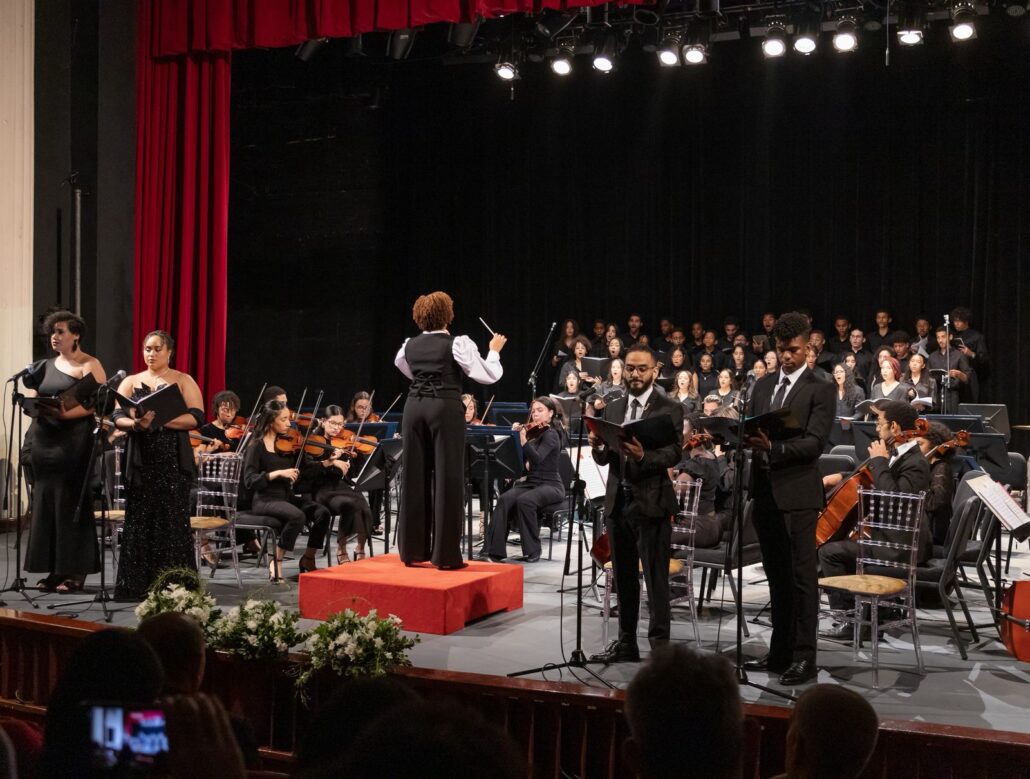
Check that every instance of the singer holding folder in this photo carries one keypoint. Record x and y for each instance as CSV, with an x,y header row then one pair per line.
x,y
638,506
433,430
158,473
61,444
788,496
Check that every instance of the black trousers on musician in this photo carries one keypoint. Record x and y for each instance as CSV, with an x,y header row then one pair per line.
x,y
433,481
292,516
787,539
647,539
522,503
350,505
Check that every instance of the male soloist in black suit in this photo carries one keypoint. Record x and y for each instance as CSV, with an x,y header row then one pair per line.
x,y
638,508
901,468
788,496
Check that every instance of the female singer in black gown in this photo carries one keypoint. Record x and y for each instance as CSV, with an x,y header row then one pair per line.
x,y
271,477
542,486
332,490
433,430
59,542
158,473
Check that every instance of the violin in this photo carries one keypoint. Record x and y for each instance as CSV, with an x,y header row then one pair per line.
x,y
841,513
701,438
292,442
533,430
196,439
961,439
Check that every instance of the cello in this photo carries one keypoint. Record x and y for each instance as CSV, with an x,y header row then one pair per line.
x,y
1014,620
839,516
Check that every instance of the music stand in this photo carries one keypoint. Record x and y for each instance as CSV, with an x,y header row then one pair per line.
x,y
491,448
995,417
956,422
508,413
376,474
863,433
990,453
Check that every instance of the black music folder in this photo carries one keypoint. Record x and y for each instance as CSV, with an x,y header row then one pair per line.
x,y
652,432
81,393
778,425
167,403
597,366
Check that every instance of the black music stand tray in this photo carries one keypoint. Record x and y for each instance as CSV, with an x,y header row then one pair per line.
x,y
376,474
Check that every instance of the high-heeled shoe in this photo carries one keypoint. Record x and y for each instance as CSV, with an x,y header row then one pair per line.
x,y
311,564
341,555
275,572
209,557
359,554
70,585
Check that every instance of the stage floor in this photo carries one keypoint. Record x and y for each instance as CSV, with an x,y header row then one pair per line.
x,y
990,690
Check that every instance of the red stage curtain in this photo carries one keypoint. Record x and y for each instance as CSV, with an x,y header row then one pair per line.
x,y
182,26
182,205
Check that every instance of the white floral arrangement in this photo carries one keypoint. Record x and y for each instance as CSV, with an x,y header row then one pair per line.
x,y
258,629
349,644
186,596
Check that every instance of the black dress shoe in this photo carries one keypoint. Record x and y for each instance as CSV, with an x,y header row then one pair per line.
x,y
800,672
767,663
617,652
455,567
530,558
491,558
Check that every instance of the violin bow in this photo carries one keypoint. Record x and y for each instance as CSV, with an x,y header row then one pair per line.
x,y
361,424
249,427
311,427
390,407
486,410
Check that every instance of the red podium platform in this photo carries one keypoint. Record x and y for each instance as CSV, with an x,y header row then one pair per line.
x,y
426,599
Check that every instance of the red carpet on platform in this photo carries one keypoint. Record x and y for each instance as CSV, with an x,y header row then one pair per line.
x,y
427,600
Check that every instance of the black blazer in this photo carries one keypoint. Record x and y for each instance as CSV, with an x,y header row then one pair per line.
x,y
909,473
649,478
793,472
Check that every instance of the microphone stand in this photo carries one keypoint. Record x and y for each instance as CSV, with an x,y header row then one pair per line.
x,y
739,464
102,597
578,658
947,365
540,361
14,509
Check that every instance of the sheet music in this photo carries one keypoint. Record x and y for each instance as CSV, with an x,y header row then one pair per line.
x,y
1000,503
594,476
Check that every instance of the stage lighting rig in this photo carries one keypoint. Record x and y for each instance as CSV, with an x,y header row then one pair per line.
x,y
911,21
775,42
806,33
606,51
669,50
698,37
845,39
561,64
963,21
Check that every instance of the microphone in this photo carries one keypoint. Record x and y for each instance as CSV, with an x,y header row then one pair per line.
x,y
115,380
23,372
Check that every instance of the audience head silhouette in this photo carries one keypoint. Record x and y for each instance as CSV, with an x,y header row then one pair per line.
x,y
685,717
832,734
178,642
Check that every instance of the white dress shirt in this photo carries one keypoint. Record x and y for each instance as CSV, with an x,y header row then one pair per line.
x,y
466,354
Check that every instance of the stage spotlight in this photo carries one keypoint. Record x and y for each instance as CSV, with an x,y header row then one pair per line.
x,y
963,21
401,43
669,51
1015,10
911,21
806,34
552,25
845,39
561,65
505,68
775,43
605,52
310,48
695,47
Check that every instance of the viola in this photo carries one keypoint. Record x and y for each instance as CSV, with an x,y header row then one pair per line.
x,y
841,513
533,430
196,439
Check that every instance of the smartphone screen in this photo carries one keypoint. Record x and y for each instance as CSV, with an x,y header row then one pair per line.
x,y
127,735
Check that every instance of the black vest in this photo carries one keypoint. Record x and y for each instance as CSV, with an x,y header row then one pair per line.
x,y
433,367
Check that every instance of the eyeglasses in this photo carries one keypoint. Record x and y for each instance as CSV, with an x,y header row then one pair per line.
x,y
638,368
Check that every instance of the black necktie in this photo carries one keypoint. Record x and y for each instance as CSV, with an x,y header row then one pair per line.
x,y
634,409
781,393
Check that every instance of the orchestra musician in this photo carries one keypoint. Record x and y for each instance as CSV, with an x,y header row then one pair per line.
x,y
639,504
159,471
788,496
897,468
60,542
333,489
227,406
271,476
542,486
471,409
433,431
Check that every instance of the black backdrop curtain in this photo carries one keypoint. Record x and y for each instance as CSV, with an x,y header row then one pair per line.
x,y
828,182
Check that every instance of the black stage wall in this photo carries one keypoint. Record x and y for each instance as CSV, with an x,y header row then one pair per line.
x,y
85,103
829,182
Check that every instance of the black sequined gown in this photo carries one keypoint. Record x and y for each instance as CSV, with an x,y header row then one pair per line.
x,y
157,510
60,456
